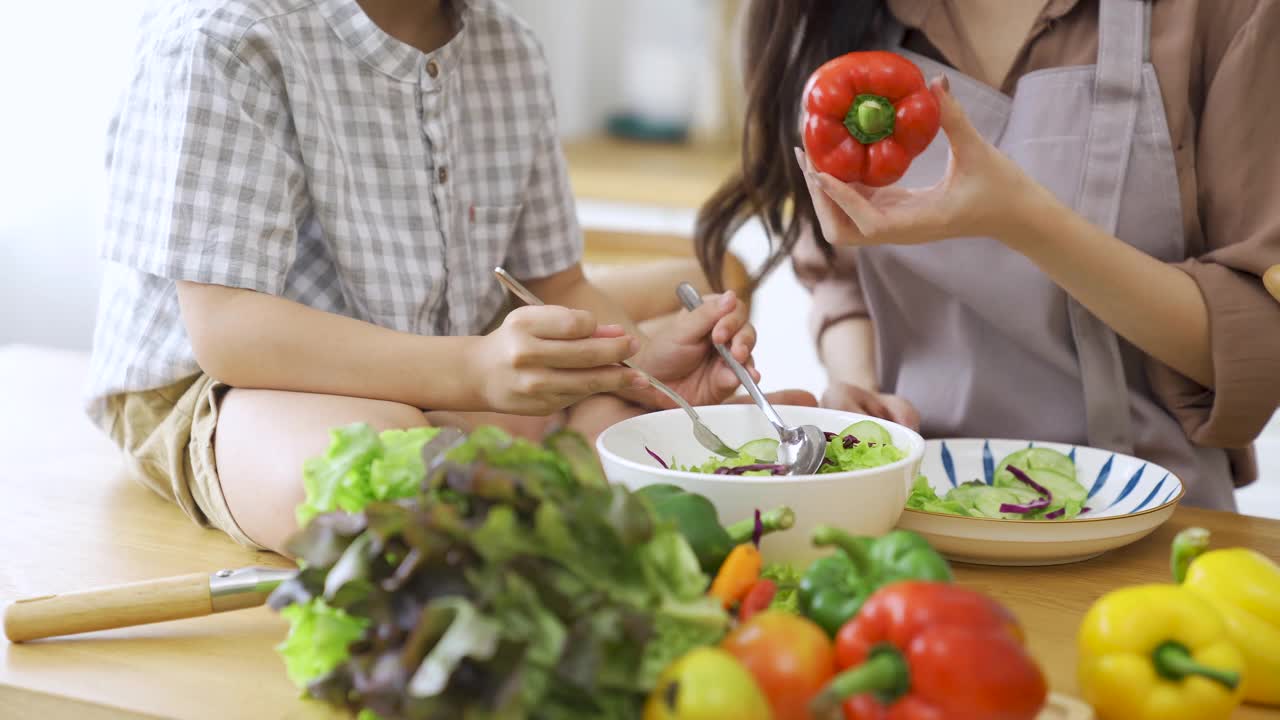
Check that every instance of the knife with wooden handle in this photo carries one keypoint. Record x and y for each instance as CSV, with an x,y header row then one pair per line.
x,y
174,598
141,603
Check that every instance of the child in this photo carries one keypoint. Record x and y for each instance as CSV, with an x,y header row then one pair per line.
x,y
307,200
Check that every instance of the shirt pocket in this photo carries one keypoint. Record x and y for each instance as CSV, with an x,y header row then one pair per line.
x,y
490,232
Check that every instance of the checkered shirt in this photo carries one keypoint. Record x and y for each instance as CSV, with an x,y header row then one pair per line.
x,y
293,148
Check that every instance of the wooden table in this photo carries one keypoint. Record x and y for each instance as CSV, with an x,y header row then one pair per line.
x,y
70,523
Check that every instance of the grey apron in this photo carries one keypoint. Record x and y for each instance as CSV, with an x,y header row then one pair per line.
x,y
977,337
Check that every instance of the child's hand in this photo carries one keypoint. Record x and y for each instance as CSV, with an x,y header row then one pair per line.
x,y
546,358
681,354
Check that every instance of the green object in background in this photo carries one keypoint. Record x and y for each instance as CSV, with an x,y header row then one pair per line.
x,y
833,589
635,127
696,519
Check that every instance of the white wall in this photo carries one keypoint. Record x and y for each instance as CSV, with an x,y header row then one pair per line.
x,y
56,102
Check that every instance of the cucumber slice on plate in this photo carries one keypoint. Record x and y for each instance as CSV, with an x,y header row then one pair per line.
x,y
765,450
868,431
986,500
1032,458
1064,489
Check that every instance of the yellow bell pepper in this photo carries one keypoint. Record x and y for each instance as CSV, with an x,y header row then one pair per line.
x,y
707,683
1244,587
1157,652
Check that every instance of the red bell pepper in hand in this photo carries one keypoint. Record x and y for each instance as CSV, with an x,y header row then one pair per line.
x,y
926,651
867,115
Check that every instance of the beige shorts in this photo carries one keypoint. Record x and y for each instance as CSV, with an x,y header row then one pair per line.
x,y
167,438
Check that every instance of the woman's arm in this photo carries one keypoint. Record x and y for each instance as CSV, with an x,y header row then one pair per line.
x,y
848,351
1152,304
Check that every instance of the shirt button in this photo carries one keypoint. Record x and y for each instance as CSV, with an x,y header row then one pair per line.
x,y
432,68
442,174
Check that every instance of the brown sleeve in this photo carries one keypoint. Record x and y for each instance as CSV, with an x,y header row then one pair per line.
x,y
832,278
1238,169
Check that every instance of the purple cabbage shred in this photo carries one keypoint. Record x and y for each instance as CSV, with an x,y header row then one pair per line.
x,y
1030,507
743,469
1034,485
655,456
849,441
758,531
1055,514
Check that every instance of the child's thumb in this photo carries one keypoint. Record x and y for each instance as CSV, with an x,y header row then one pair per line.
x,y
697,324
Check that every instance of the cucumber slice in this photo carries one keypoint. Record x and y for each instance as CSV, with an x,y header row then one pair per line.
x,y
765,450
1062,487
985,500
1033,458
868,431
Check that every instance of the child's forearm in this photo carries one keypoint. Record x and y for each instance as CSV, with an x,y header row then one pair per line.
x,y
254,340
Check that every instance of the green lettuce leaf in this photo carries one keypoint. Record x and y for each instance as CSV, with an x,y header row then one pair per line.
x,y
787,578
362,466
318,640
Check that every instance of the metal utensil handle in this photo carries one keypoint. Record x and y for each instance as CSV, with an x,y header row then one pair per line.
x,y
692,300
519,290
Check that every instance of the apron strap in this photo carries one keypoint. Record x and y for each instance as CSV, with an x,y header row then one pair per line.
x,y
1117,93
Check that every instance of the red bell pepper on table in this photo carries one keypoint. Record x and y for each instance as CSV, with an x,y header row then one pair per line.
x,y
925,650
867,115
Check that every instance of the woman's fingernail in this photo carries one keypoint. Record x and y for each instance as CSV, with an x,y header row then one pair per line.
x,y
639,381
633,347
946,84
727,300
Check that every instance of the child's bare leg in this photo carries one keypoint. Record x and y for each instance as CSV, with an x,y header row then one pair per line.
x,y
264,437
533,428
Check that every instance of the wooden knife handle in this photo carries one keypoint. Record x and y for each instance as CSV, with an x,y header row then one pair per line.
x,y
139,603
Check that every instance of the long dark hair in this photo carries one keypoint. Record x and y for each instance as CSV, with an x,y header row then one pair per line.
x,y
783,42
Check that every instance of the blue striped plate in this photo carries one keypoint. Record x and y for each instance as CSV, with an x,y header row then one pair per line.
x,y
1128,498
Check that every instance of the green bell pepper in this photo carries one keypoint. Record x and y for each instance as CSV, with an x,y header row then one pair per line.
x,y
696,519
833,589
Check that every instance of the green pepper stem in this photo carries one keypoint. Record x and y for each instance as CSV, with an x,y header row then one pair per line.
x,y
1173,661
854,547
1187,546
779,518
885,673
870,118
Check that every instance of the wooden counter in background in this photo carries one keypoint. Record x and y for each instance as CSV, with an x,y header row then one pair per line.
x,y
654,174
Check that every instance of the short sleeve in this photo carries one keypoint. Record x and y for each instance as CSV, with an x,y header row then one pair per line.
x,y
831,277
202,185
1238,182
547,239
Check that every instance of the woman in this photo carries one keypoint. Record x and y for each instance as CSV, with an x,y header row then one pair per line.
x,y
1078,255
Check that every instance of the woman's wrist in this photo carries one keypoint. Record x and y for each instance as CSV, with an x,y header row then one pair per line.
x,y
1033,222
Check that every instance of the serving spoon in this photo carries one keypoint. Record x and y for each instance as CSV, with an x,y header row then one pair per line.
x,y
802,448
701,432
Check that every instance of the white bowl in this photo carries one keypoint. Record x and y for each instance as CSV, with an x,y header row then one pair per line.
x,y
1128,499
865,502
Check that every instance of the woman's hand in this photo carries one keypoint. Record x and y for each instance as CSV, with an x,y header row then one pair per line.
x,y
851,398
545,358
982,194
681,354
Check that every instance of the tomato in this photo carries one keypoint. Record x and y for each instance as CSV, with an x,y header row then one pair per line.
x,y
790,657
706,684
